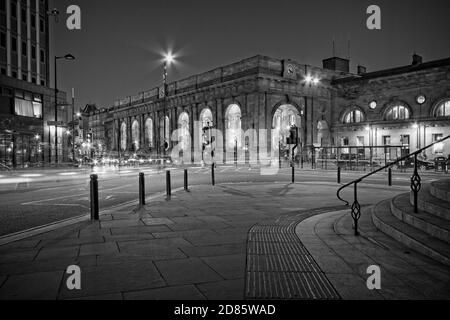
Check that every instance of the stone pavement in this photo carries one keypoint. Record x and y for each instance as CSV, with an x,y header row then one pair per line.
x,y
344,258
192,247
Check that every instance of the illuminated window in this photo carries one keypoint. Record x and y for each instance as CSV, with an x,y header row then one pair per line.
x,y
135,135
398,112
183,131
26,106
438,147
233,125
149,132
354,116
443,110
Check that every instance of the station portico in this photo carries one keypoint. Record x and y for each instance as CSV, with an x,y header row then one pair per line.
x,y
331,107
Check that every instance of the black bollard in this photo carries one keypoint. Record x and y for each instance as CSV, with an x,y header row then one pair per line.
x,y
141,189
293,173
94,198
168,185
186,185
339,175
390,177
213,178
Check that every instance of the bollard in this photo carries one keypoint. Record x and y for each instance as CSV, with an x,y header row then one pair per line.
x,y
390,177
141,189
293,173
168,186
186,186
339,175
94,198
213,178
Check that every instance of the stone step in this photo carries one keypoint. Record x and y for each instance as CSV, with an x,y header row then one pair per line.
x,y
429,203
429,223
413,238
441,190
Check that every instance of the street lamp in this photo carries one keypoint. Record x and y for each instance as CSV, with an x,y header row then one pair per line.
x,y
70,58
168,59
312,81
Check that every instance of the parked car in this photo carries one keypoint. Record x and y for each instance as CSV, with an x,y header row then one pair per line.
x,y
422,164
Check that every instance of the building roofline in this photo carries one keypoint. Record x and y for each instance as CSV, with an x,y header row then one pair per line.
x,y
394,71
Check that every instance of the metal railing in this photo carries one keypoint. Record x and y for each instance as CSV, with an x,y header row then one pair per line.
x,y
415,183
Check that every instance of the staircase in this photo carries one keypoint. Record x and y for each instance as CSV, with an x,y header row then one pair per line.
x,y
427,231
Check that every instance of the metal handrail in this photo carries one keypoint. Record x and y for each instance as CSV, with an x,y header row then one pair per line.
x,y
415,183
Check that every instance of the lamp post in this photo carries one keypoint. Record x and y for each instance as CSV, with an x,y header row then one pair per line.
x,y
66,57
168,59
312,81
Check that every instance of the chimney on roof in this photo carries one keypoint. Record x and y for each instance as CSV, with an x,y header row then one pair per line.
x,y
416,59
337,64
362,70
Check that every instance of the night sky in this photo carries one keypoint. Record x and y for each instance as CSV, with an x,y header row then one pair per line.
x,y
118,51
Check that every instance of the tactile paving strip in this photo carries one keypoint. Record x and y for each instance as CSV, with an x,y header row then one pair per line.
x,y
280,267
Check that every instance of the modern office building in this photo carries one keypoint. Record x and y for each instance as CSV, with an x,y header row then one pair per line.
x,y
27,103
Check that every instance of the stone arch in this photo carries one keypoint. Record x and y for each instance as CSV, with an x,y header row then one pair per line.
x,y
441,108
206,117
135,135
283,117
183,130
123,136
353,111
388,107
233,125
149,132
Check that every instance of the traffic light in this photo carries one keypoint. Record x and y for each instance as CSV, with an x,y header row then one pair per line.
x,y
293,135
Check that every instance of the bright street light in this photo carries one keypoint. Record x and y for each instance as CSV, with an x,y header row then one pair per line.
x,y
169,58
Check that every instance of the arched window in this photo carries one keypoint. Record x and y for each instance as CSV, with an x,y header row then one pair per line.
x,y
233,125
398,112
285,116
354,116
443,109
183,130
123,136
149,132
206,117
135,135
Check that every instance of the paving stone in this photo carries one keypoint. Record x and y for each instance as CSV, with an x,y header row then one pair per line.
x,y
156,250
71,241
139,229
35,286
215,250
129,237
223,290
127,276
157,221
56,253
120,223
186,292
186,271
229,267
189,226
217,239
56,264
332,264
187,233
18,256
99,249
352,287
